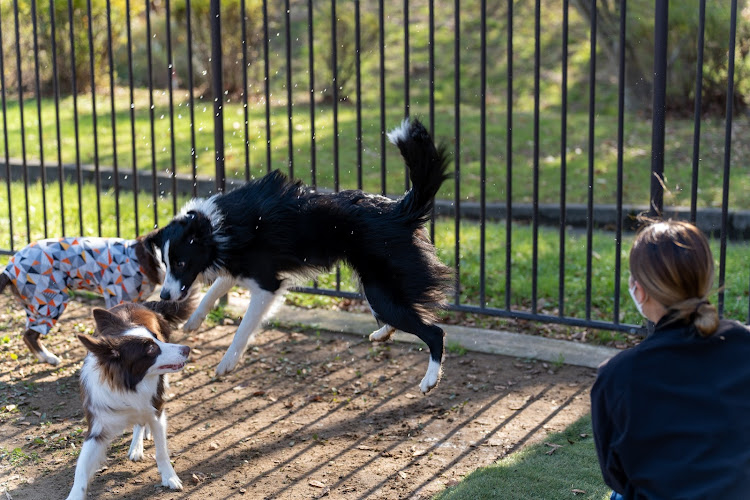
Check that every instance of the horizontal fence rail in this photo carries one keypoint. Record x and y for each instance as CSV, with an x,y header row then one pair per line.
x,y
115,114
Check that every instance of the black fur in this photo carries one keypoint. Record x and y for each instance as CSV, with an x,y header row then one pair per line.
x,y
272,227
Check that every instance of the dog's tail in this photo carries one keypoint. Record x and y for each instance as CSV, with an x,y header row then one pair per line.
x,y
427,166
4,280
175,313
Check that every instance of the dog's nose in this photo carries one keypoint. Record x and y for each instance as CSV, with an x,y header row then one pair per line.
x,y
164,295
185,350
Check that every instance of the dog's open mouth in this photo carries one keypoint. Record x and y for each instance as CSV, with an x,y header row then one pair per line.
x,y
174,367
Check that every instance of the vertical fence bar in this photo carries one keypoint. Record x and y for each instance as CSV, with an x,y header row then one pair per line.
x,y
170,93
37,85
457,132
334,56
217,85
535,181
661,25
5,136
697,113
113,119
268,85
592,136
97,178
358,71
381,39
620,144
311,65
134,156
509,157
563,161
482,149
191,97
21,117
335,77
74,92
431,64
56,85
38,97
406,80
727,157
151,115
245,89
289,102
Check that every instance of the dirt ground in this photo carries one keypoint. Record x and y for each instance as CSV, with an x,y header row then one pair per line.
x,y
307,414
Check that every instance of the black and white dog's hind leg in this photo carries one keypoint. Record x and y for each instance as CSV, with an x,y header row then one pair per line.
x,y
218,289
398,316
261,304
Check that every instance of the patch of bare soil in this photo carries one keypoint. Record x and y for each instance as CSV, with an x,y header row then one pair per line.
x,y
307,414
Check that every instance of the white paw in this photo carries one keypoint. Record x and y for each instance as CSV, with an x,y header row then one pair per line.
x,y
147,434
173,482
50,358
431,378
382,334
193,322
228,362
136,453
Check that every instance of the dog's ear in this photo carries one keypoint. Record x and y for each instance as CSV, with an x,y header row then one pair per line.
x,y
201,231
108,323
146,249
151,241
98,347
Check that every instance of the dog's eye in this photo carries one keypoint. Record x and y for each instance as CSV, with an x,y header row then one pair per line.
x,y
180,265
152,350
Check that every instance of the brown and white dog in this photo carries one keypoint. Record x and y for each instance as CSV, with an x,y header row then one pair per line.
x,y
123,382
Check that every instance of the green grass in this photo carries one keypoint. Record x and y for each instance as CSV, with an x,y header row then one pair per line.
x,y
637,134
603,251
535,473
636,158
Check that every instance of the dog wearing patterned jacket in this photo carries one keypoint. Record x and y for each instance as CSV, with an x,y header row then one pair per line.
x,y
43,273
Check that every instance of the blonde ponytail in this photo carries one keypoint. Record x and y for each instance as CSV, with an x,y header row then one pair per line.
x,y
698,311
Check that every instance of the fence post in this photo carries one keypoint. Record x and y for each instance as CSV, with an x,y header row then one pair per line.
x,y
217,86
661,18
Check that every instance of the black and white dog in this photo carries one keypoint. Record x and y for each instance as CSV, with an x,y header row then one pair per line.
x,y
272,229
123,380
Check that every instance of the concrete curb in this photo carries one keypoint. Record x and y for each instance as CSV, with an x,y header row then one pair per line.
x,y
472,339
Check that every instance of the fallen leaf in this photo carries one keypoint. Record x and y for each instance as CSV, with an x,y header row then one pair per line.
x,y
213,446
584,435
576,491
198,477
419,453
259,393
364,447
409,395
324,493
553,446
316,484
402,474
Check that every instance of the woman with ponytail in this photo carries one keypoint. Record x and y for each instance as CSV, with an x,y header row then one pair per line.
x,y
671,416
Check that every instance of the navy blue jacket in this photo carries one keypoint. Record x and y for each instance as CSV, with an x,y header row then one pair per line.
x,y
671,416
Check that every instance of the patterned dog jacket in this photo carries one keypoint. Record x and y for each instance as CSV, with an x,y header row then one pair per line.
x,y
46,270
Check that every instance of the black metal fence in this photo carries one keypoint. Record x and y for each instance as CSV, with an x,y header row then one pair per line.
x,y
456,64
